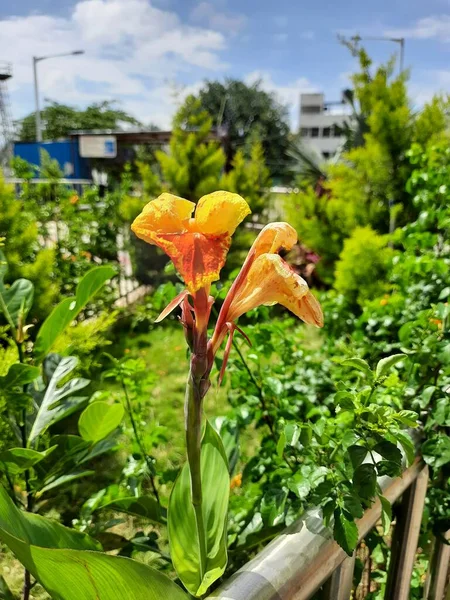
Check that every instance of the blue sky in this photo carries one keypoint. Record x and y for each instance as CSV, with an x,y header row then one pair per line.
x,y
148,54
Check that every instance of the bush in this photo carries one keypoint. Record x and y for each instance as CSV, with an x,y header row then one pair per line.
x,y
363,266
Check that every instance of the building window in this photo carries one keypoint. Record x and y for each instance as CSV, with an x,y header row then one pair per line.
x,y
337,131
326,154
314,132
326,132
304,132
311,110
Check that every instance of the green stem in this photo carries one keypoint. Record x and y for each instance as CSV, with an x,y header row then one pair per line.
x,y
138,439
193,410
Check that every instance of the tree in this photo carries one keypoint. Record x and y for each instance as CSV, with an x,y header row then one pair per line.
x,y
240,108
368,185
59,120
249,177
193,165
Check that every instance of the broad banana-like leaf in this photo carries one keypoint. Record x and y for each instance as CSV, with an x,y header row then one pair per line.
x,y
184,548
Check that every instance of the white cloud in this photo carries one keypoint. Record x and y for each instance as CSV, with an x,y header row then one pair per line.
x,y
132,51
206,13
287,94
436,26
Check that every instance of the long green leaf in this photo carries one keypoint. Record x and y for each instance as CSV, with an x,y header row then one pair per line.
x,y
19,529
66,564
57,402
18,375
17,460
181,518
78,575
142,506
67,310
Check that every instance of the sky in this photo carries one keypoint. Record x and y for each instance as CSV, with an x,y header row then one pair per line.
x,y
149,54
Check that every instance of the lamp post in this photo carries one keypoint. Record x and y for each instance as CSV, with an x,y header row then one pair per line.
x,y
400,41
37,59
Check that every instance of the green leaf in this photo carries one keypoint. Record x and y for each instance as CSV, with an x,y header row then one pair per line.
x,y
345,532
407,417
385,364
17,460
386,514
18,375
141,506
389,451
281,444
66,311
77,575
5,592
345,400
181,518
272,506
357,455
55,403
353,506
300,485
55,482
357,363
389,468
19,529
15,300
99,419
436,450
407,445
365,481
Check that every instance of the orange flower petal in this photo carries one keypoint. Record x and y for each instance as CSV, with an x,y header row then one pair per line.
x,y
196,257
197,246
273,238
166,214
270,280
220,213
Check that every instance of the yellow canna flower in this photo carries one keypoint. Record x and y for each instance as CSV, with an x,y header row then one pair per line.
x,y
198,246
271,280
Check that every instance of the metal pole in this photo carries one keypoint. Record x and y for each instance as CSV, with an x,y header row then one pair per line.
x,y
402,53
36,101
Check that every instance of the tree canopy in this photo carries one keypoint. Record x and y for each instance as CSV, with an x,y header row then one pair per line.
x,y
58,120
242,108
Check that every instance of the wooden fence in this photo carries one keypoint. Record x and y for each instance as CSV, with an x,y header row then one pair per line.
x,y
305,560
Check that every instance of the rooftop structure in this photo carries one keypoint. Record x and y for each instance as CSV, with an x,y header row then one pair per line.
x,y
320,123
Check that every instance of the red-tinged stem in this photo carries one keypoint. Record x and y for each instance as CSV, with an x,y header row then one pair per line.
x,y
196,388
220,329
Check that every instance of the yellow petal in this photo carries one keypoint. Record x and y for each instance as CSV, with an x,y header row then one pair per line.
x,y
166,214
220,213
273,238
270,280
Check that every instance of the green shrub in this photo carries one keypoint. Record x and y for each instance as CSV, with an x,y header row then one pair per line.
x,y
363,266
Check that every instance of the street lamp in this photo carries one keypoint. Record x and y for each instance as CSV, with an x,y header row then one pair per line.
x,y
401,41
37,59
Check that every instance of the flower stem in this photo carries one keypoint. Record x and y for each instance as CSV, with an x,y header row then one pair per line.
x,y
193,413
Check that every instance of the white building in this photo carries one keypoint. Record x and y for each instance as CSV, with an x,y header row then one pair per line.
x,y
318,121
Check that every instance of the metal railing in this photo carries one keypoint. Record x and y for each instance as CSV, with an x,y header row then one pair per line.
x,y
304,558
